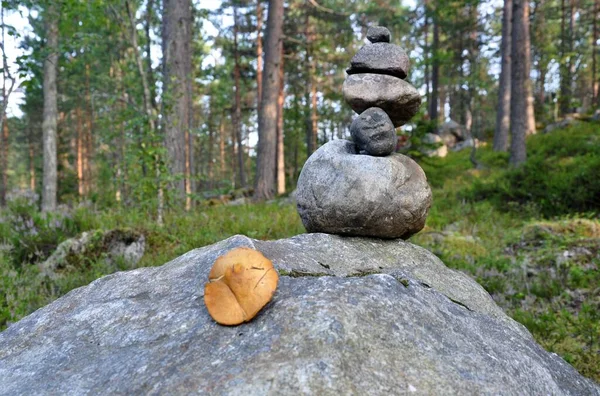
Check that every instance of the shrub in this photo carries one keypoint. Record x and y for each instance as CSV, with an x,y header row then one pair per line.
x,y
559,177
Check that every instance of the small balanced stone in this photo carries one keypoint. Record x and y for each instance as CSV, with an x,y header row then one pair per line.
x,y
378,34
399,99
373,132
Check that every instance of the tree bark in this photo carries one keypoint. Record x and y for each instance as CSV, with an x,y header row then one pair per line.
x,y
237,111
49,189
595,101
89,136
80,149
435,70
149,72
267,117
210,123
426,50
177,37
503,115
310,90
259,52
6,76
564,69
280,142
520,82
4,164
222,147
32,181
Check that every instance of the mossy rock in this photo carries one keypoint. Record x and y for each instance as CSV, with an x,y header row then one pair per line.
x,y
76,253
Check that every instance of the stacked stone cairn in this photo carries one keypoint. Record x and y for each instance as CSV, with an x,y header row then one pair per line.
x,y
361,187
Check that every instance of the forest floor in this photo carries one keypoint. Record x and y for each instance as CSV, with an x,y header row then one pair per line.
x,y
531,243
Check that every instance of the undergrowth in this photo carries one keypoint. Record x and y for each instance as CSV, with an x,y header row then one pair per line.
x,y
530,236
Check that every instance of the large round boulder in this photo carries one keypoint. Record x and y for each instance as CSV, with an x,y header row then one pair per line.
x,y
342,192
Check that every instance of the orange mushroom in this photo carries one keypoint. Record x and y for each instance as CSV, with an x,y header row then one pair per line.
x,y
240,283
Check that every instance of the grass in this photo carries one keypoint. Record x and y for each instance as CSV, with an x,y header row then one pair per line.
x,y
27,236
540,262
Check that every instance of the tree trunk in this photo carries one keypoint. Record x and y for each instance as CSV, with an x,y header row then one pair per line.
x,y
310,93
520,82
314,115
595,101
267,117
50,110
564,69
542,87
435,70
80,154
4,177
32,181
233,157
222,147
280,145
6,76
211,142
503,115
149,73
426,50
259,52
177,37
237,111
89,137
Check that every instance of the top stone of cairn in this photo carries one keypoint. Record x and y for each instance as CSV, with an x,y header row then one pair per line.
x,y
378,34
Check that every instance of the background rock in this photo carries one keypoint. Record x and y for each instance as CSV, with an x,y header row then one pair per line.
x,y
373,132
451,133
340,192
441,150
416,327
115,244
399,99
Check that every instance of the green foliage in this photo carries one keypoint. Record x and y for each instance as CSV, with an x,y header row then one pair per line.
x,y
560,176
545,274
33,235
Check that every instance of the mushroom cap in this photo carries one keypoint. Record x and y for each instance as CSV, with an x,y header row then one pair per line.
x,y
240,283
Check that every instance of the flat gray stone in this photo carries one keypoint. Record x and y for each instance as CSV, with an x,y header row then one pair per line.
x,y
380,58
340,192
147,331
399,99
378,34
374,133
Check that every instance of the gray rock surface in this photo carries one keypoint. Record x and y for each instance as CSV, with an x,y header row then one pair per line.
x,y
380,58
340,192
399,99
378,34
417,326
373,132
